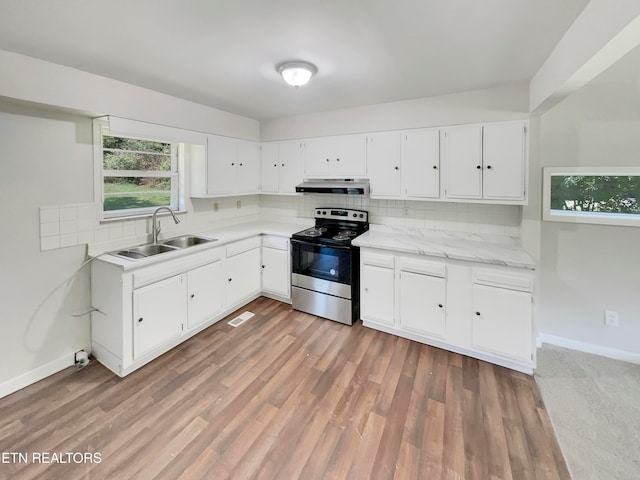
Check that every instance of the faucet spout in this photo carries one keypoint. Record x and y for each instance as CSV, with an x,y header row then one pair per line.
x,y
155,225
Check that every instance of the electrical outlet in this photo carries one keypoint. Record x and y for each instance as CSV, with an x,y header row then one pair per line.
x,y
406,211
215,206
611,318
238,203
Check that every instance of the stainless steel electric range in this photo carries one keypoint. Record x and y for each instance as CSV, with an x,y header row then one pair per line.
x,y
325,278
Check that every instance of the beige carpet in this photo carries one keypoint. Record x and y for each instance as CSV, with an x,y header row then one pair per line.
x,y
594,405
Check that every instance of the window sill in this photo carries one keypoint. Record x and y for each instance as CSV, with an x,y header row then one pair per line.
x,y
142,216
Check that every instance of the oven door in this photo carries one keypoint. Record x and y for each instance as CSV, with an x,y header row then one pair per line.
x,y
330,263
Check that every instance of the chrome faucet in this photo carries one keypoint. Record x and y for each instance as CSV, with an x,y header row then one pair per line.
x,y
155,225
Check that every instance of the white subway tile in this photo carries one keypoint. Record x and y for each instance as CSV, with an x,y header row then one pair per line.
x,y
68,213
49,243
68,226
101,234
85,236
49,214
87,212
68,240
115,231
86,225
49,229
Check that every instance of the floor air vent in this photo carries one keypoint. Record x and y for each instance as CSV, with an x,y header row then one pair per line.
x,y
240,319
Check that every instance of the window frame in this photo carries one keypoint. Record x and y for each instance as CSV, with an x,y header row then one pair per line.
x,y
101,128
595,218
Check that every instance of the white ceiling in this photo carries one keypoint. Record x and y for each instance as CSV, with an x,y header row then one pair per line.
x,y
223,53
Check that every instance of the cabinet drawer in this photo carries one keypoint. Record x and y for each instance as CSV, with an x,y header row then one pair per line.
x,y
166,269
243,246
424,267
273,241
512,281
377,259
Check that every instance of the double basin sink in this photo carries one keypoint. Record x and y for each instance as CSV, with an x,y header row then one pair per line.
x,y
170,245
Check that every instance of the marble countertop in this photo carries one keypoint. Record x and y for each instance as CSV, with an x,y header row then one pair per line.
x,y
473,247
223,235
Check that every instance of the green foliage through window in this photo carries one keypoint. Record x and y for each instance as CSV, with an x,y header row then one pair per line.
x,y
596,193
136,173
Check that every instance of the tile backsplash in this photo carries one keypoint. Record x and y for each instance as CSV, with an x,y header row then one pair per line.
x,y
77,224
452,217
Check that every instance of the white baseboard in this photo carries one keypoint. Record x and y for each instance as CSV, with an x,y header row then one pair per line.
x,y
37,374
613,353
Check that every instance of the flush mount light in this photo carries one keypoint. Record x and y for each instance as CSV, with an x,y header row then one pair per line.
x,y
297,73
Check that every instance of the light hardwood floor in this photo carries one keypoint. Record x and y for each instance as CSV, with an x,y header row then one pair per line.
x,y
287,395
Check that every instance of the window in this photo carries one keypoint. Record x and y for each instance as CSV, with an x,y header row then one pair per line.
x,y
137,175
609,196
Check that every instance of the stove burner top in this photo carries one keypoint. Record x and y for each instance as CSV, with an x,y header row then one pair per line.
x,y
314,232
345,235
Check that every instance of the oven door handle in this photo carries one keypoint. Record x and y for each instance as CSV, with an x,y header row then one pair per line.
x,y
312,244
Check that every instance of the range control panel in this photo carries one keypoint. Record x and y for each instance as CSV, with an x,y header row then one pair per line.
x,y
342,214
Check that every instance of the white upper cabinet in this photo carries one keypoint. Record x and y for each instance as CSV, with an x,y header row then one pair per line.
x,y
486,162
404,164
341,156
248,167
281,167
221,172
504,161
383,162
464,162
269,172
420,153
231,166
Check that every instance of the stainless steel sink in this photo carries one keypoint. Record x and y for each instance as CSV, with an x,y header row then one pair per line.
x,y
144,251
170,245
185,241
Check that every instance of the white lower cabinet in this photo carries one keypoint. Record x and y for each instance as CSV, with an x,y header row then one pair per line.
x,y
276,270
243,271
484,312
144,312
502,321
205,293
377,286
422,303
158,314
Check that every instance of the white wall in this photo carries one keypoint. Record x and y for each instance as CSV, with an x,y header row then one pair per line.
x,y
603,33
497,104
47,160
586,269
29,79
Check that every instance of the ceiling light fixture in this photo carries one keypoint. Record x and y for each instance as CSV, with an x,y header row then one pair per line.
x,y
297,73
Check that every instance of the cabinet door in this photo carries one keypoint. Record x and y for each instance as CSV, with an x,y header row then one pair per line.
x,y
205,293
276,275
159,311
422,303
350,155
290,166
421,163
464,162
243,276
502,321
383,162
342,156
221,165
377,294
269,167
504,156
318,157
248,164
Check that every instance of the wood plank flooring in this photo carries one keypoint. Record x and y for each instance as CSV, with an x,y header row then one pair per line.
x,y
286,395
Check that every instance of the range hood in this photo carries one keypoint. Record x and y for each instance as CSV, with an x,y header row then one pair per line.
x,y
346,186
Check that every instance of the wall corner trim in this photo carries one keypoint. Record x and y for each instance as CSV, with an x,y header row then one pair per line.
x,y
32,376
613,353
